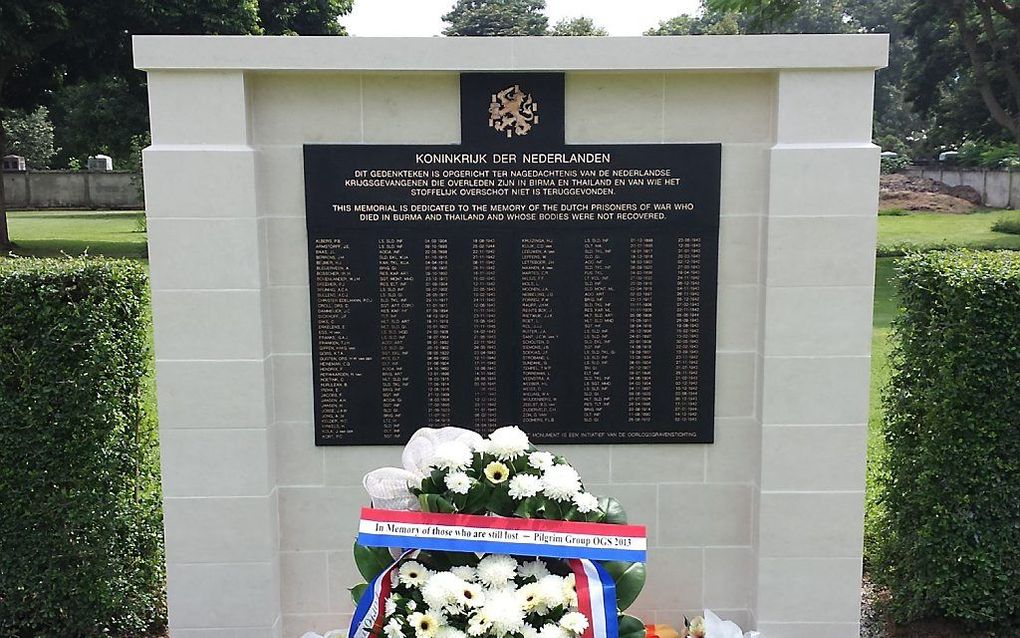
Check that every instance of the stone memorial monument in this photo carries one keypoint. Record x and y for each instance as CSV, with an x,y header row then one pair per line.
x,y
655,255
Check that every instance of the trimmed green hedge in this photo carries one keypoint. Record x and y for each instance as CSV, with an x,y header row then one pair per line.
x,y
80,522
952,493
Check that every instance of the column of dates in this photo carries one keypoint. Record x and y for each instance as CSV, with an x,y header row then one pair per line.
x,y
639,332
395,310
688,304
437,331
598,321
332,279
538,405
483,276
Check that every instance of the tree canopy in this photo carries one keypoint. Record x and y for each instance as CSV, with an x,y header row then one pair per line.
x,y
31,136
496,18
708,22
579,26
60,52
967,62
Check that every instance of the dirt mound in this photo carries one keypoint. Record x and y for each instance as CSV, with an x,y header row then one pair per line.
x,y
908,192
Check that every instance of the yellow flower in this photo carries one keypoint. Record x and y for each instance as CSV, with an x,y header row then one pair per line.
x,y
496,472
424,625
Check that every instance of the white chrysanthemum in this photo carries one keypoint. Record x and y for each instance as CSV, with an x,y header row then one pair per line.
x,y
574,622
478,624
465,572
586,502
425,625
441,590
458,482
452,455
446,631
413,574
525,486
550,590
469,595
508,443
503,611
481,446
391,606
393,629
411,605
529,632
495,570
532,569
496,472
531,597
570,590
561,482
541,460
550,630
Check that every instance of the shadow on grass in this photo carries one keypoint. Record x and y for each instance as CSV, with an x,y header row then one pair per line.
x,y
75,248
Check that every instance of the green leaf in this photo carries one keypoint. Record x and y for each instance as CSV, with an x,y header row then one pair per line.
x,y
629,579
435,503
527,508
573,515
630,627
371,561
357,591
614,511
477,497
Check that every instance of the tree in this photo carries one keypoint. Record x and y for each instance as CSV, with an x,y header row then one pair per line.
x,y
708,22
31,136
894,112
100,115
496,17
763,15
968,55
49,44
308,17
577,26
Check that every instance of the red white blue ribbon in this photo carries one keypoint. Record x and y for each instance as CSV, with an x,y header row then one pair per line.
x,y
596,598
498,535
370,614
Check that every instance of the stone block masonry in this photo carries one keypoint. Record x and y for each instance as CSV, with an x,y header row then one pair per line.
x,y
764,525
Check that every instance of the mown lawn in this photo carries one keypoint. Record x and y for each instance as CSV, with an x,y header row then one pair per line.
x,y
100,233
922,231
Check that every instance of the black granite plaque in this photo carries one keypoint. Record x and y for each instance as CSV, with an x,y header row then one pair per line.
x,y
513,279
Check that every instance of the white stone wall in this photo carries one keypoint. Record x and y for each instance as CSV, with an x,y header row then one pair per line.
x,y
764,526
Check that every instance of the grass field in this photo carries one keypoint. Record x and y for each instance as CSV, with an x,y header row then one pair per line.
x,y
920,231
102,233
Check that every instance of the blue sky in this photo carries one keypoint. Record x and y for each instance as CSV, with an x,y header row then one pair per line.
x,y
422,17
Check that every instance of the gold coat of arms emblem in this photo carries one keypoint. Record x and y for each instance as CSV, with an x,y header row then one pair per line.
x,y
513,111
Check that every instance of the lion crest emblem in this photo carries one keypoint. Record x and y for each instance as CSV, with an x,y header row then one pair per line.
x,y
512,111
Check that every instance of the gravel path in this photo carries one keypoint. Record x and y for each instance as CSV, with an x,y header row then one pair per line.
x,y
872,621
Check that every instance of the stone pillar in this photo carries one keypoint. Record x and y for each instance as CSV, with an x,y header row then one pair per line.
x,y
814,355
212,367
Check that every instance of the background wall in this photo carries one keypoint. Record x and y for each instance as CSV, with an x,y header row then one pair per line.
x,y
764,526
73,189
998,189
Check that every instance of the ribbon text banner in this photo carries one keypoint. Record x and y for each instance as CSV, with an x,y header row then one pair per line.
x,y
498,535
